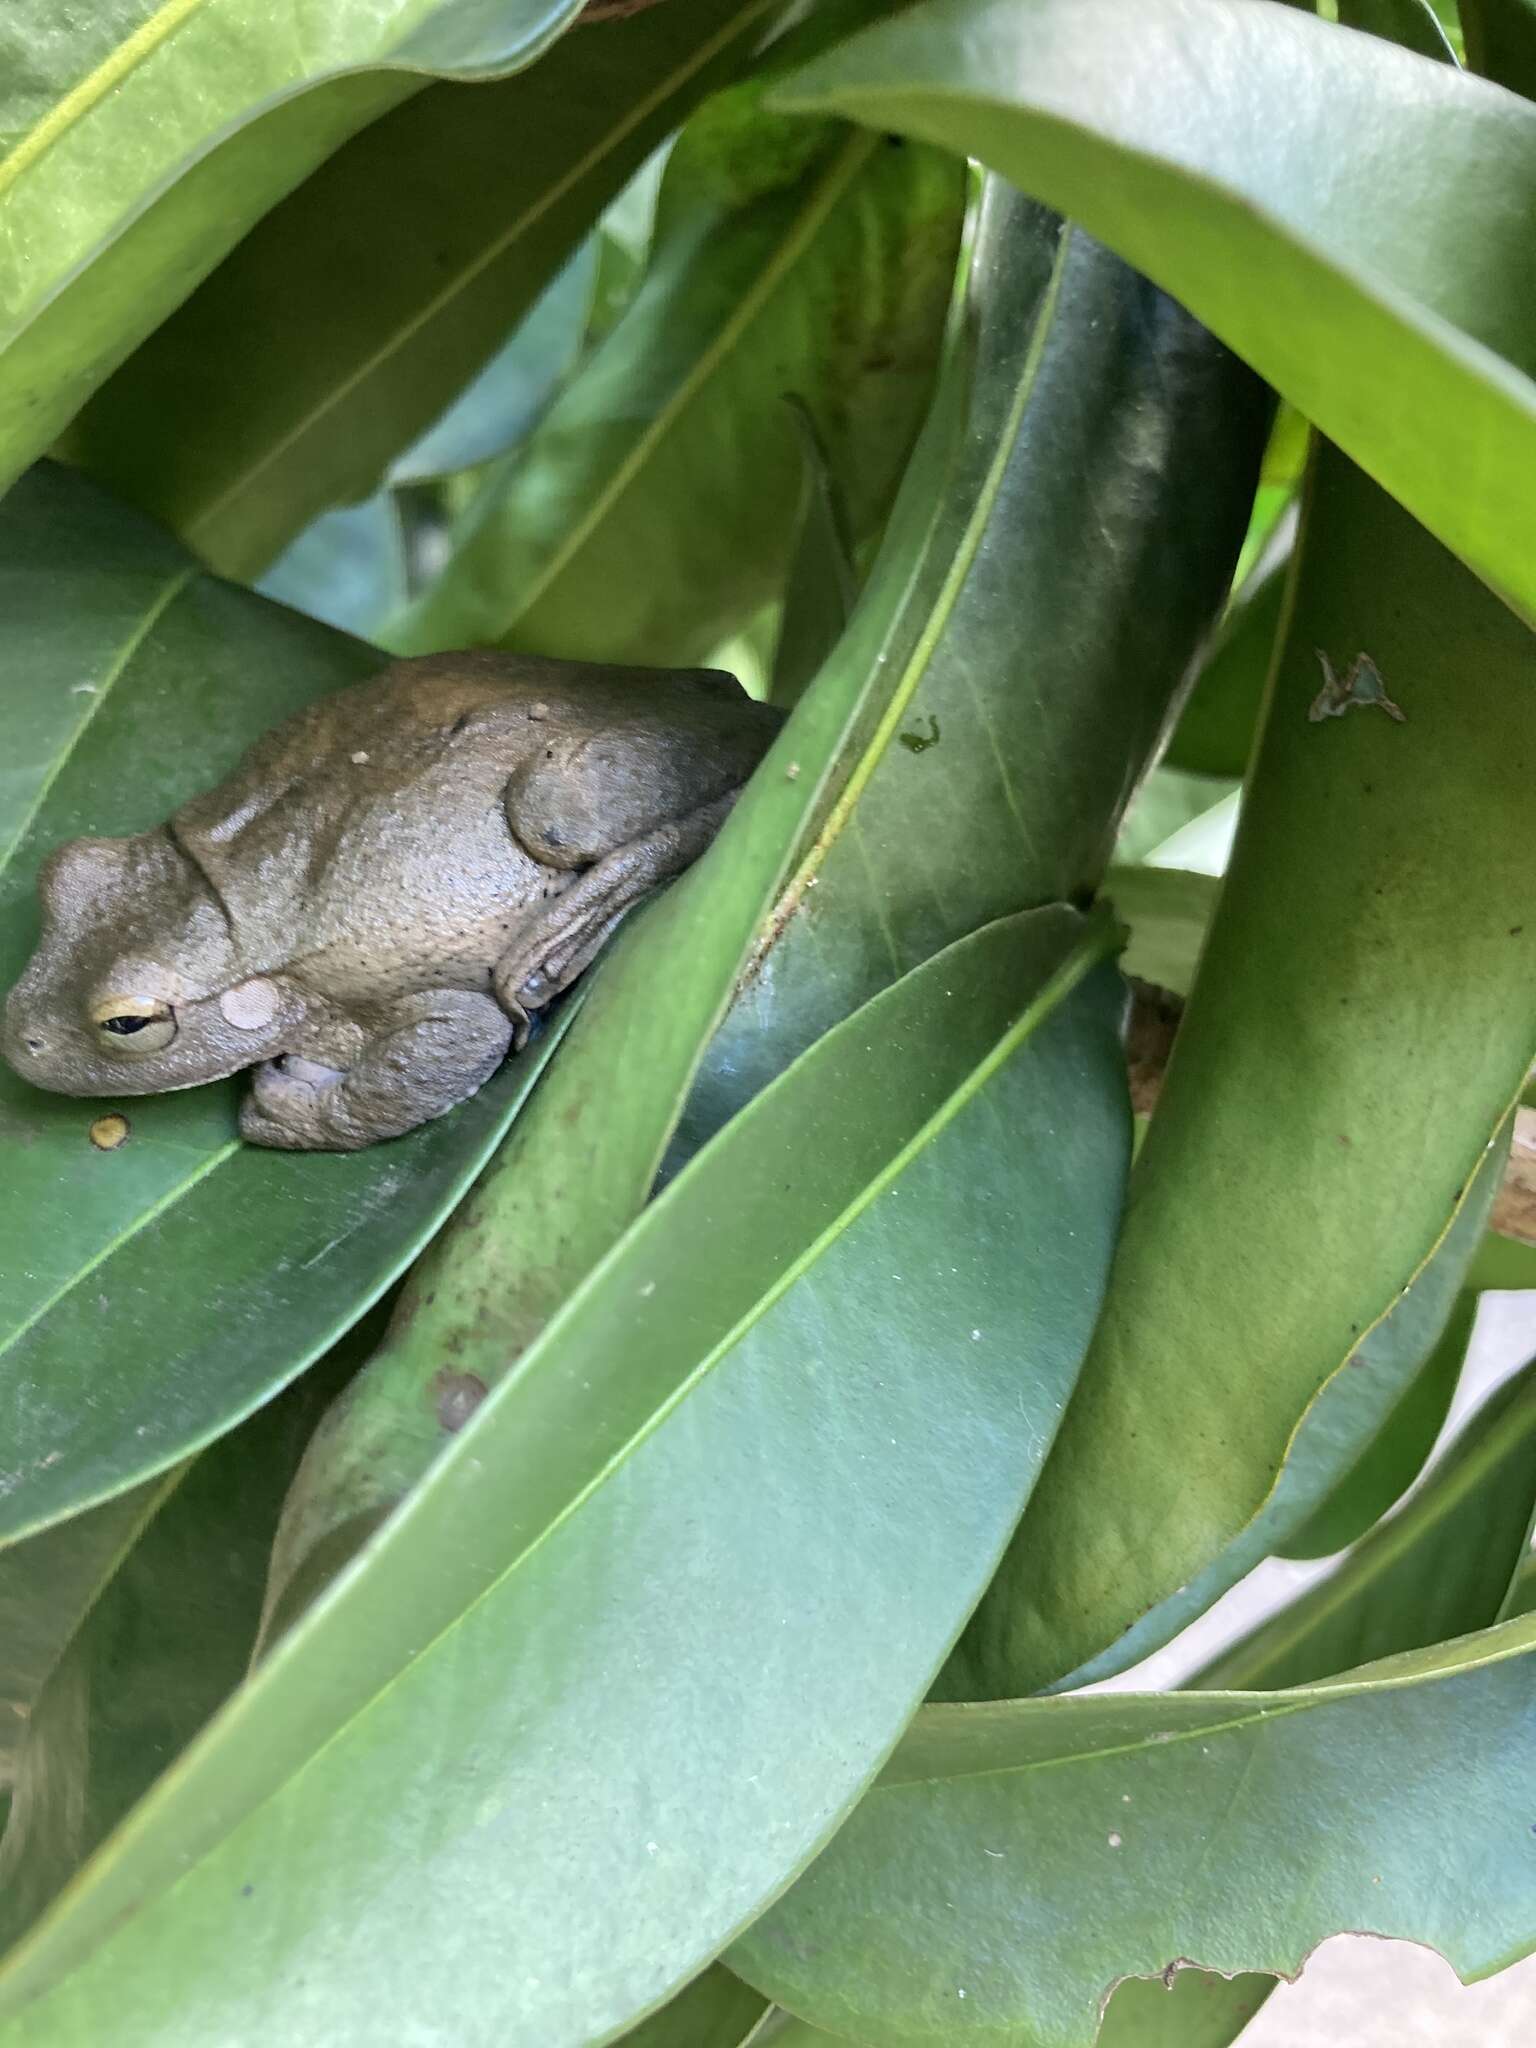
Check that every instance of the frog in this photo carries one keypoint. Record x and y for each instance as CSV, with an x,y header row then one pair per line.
x,y
389,889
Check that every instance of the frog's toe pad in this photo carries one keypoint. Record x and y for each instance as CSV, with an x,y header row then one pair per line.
x,y
289,1104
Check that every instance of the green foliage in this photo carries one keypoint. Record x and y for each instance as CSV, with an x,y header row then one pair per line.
x,y
606,1566
1088,105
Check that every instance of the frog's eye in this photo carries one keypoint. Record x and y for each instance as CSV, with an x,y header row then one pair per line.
x,y
135,1024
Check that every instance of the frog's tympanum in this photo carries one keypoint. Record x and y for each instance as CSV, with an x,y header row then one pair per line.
x,y
372,908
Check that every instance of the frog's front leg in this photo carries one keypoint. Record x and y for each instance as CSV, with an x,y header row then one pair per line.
x,y
566,934
427,1053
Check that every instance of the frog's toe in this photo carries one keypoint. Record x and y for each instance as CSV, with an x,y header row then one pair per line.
x,y
288,1104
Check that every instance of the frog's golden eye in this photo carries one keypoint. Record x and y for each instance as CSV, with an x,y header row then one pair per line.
x,y
135,1024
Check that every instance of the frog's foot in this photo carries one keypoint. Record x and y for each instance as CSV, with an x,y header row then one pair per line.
x,y
430,1052
573,927
291,1103
533,976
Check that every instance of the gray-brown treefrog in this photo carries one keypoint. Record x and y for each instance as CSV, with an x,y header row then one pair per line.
x,y
387,888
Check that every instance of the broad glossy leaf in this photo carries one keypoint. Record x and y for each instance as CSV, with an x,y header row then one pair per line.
x,y
164,1637
1370,253
1046,625
1234,1830
136,155
344,323
1441,1567
1196,2009
1501,41
151,1296
753,1474
652,511
1325,1110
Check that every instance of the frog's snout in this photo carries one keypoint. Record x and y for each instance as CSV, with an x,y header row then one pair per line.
x,y
28,1048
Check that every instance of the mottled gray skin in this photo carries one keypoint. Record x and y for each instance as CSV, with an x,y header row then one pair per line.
x,y
387,888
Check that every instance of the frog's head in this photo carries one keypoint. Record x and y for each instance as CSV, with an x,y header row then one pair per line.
x,y
135,986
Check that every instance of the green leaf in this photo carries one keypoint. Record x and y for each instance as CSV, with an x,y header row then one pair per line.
x,y
1356,1416
1174,816
1071,540
582,1164
1410,23
1219,726
295,378
1167,911
586,1158
822,586
770,1355
165,1635
1395,1454
1388,302
1441,1567
47,1587
652,511
716,2011
1402,1790
1324,1113
348,569
1501,41
1358,1443
152,1295
1194,2011
143,140
495,410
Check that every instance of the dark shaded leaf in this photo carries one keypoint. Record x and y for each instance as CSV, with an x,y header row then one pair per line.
x,y
822,586
652,511
165,1638
1501,41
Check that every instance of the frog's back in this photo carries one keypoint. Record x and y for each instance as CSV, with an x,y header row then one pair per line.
x,y
364,843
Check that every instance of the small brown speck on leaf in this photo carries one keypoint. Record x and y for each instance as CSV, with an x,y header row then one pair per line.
x,y
456,1396
110,1133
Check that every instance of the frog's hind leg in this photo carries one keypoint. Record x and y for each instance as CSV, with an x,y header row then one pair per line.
x,y
570,930
430,1051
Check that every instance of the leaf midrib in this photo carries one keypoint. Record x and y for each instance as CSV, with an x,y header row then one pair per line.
x,y
149,37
